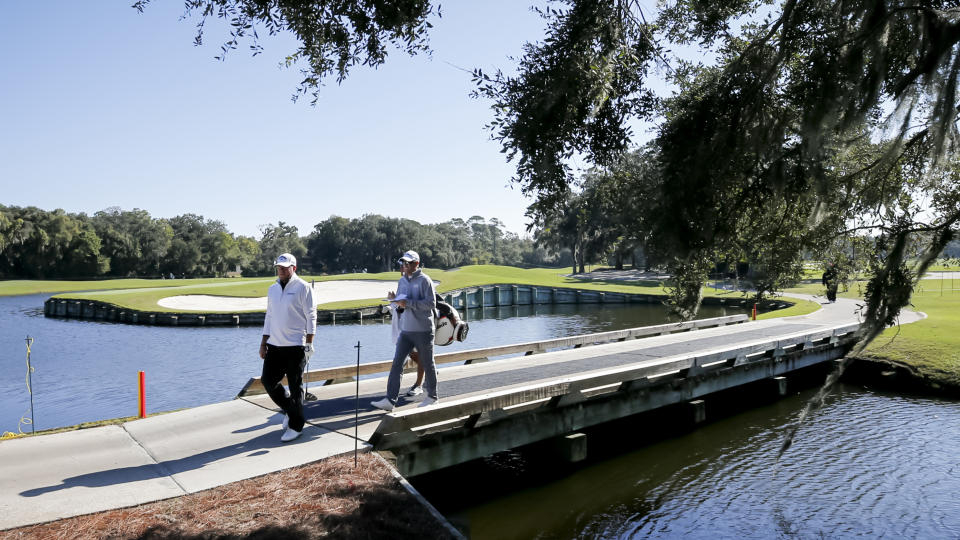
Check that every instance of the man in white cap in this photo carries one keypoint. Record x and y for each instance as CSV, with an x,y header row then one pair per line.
x,y
287,343
416,295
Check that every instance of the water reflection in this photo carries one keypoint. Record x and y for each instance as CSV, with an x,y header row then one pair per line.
x,y
87,370
867,465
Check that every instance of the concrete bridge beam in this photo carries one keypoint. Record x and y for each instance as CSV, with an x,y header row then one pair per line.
x,y
463,438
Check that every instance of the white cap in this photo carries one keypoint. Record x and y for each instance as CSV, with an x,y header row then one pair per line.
x,y
285,259
409,256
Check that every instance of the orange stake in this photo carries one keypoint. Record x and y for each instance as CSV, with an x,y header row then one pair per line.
x,y
143,395
754,312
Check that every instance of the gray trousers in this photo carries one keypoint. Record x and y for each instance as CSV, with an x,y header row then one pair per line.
x,y
423,341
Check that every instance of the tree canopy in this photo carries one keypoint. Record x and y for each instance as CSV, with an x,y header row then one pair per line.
x,y
814,120
36,243
792,127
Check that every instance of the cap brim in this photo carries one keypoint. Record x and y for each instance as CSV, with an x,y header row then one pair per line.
x,y
284,264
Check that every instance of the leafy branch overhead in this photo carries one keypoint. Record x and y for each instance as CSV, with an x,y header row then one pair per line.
x,y
797,124
334,36
573,94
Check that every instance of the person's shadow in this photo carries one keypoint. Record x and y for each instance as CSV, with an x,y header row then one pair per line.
x,y
260,445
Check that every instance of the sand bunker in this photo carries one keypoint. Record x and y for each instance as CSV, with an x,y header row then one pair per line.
x,y
324,291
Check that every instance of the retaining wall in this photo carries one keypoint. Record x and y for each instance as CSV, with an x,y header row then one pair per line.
x,y
470,297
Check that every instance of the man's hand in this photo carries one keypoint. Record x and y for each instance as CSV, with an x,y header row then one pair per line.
x,y
308,350
263,351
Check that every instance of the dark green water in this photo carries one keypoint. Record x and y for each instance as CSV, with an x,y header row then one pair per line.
x,y
867,465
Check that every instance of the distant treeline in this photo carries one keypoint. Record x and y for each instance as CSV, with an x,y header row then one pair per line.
x,y
42,244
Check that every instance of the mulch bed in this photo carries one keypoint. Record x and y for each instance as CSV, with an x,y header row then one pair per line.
x,y
328,498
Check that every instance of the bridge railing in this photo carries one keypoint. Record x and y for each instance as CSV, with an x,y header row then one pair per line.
x,y
402,428
344,373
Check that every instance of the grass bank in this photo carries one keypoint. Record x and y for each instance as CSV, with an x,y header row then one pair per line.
x,y
75,427
931,347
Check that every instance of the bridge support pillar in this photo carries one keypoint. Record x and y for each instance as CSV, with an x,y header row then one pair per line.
x,y
570,448
698,411
780,386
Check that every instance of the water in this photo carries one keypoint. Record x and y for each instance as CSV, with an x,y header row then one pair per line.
x,y
87,370
867,465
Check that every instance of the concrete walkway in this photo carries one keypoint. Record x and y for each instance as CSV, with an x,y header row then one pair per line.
x,y
48,477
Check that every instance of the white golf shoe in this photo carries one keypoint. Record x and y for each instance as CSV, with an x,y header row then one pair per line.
x,y
289,435
428,401
383,404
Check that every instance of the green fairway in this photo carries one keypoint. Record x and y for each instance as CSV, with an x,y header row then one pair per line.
x,y
18,287
143,294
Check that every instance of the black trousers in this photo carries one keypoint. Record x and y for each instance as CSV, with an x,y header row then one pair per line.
x,y
832,293
289,362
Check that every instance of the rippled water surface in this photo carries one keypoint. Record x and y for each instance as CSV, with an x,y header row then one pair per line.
x,y
867,465
86,370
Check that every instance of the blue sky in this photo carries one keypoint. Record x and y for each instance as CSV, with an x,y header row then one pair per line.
x,y
101,106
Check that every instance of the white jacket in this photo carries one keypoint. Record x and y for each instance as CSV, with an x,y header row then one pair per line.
x,y
291,313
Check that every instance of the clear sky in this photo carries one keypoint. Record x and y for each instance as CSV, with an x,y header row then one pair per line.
x,y
102,106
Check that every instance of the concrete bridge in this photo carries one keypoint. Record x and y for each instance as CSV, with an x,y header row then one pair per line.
x,y
569,386
561,387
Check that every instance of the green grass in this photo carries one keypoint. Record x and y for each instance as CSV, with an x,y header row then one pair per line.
x,y
83,425
931,346
144,294
18,287
950,266
799,307
146,298
488,274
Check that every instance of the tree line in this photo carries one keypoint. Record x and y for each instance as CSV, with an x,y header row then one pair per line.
x,y
47,244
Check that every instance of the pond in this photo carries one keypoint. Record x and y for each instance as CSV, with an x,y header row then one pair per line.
x,y
866,465
87,370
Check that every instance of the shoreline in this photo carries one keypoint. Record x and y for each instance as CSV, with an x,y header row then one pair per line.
x,y
873,371
493,295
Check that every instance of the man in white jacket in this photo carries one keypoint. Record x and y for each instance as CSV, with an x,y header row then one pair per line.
x,y
287,343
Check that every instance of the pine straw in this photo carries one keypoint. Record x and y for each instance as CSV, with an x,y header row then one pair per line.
x,y
328,498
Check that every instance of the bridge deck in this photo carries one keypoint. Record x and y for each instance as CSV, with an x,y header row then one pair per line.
x,y
334,408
